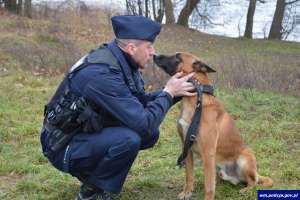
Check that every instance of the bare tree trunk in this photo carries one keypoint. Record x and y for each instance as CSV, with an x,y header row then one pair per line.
x,y
185,13
27,8
127,7
11,5
154,9
250,14
20,7
276,27
131,7
140,7
160,11
46,10
170,19
146,8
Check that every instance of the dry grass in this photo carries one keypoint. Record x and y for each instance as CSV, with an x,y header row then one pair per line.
x,y
269,122
240,63
53,44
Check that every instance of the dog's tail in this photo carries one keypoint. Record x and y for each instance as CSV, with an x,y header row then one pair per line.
x,y
265,181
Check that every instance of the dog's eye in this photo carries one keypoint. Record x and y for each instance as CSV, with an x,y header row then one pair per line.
x,y
178,58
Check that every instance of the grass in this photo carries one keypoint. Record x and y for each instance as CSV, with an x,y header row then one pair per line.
x,y
269,122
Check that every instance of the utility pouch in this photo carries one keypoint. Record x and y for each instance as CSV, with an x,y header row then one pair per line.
x,y
58,139
90,120
70,115
63,114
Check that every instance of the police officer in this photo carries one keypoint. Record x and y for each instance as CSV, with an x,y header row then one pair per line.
x,y
111,81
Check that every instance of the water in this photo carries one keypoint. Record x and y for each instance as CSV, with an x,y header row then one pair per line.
x,y
231,14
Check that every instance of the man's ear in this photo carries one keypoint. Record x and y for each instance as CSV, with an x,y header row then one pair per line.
x,y
131,48
202,67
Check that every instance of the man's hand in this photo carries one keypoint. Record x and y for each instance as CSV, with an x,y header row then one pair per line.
x,y
178,85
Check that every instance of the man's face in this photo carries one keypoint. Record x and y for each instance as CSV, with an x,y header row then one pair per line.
x,y
142,52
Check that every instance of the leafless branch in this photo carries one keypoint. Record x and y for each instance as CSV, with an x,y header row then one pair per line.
x,y
291,2
206,17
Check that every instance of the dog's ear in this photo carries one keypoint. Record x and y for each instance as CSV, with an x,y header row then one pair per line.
x,y
202,67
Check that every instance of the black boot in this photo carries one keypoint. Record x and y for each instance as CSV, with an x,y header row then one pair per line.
x,y
107,196
87,192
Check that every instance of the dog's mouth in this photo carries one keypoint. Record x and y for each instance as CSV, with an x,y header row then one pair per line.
x,y
167,63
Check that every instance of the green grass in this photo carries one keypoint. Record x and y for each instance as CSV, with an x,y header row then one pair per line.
x,y
269,122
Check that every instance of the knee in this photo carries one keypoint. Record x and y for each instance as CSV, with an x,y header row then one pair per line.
x,y
150,141
133,141
125,147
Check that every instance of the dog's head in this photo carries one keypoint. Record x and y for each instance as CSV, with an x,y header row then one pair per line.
x,y
181,62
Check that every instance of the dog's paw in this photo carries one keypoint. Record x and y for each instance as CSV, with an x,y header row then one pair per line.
x,y
184,196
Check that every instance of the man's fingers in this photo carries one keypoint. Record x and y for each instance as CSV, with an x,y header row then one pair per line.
x,y
189,88
187,77
180,85
187,84
178,74
190,94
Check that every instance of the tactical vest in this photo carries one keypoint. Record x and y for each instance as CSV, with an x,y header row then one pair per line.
x,y
68,113
102,55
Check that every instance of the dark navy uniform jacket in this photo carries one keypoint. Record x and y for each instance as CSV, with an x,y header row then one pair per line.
x,y
121,103
106,87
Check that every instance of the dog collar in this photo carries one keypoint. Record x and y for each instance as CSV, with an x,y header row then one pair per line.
x,y
202,88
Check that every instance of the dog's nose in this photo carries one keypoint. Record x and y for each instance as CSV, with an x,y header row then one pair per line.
x,y
156,57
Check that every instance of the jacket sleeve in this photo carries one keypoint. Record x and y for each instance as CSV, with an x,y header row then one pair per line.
x,y
149,96
152,95
109,91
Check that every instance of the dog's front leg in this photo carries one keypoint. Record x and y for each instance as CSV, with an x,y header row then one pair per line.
x,y
209,165
208,152
189,184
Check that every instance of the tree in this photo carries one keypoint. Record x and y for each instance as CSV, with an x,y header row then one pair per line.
x,y
19,7
250,14
276,31
158,10
186,12
11,5
203,14
291,20
169,12
27,8
131,7
147,8
139,7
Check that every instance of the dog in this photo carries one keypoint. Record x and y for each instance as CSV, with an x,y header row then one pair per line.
x,y
218,142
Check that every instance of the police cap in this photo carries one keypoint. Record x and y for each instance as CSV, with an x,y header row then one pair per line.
x,y
135,27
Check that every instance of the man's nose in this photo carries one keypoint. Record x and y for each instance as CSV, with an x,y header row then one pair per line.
x,y
152,51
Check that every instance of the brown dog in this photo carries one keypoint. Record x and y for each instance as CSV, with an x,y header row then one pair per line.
x,y
218,142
